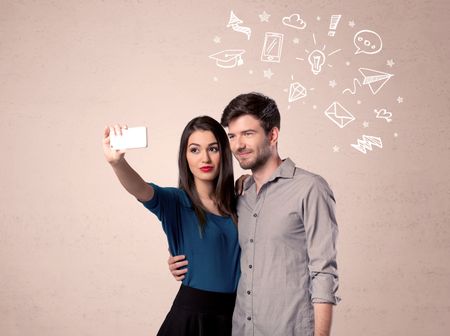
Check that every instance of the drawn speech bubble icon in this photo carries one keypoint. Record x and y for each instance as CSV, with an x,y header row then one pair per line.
x,y
367,42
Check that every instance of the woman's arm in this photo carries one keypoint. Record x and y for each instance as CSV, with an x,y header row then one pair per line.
x,y
127,176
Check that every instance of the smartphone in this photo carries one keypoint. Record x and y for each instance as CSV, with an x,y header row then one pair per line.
x,y
132,137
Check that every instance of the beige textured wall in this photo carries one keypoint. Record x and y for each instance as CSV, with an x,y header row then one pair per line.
x,y
78,256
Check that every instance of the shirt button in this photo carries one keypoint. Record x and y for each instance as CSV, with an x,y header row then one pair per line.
x,y
255,215
249,318
251,240
248,292
250,266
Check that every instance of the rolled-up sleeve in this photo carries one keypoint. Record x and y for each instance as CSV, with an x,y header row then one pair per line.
x,y
321,235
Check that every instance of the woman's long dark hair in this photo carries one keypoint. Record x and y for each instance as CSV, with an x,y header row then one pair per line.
x,y
224,182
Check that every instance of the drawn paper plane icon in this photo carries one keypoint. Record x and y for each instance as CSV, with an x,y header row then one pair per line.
x,y
339,115
228,58
366,143
374,79
296,91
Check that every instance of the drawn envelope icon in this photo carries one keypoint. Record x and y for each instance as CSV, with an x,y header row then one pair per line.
x,y
228,58
339,115
296,92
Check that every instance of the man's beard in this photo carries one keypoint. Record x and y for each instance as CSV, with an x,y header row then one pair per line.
x,y
260,160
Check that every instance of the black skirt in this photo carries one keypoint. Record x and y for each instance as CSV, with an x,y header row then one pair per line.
x,y
197,312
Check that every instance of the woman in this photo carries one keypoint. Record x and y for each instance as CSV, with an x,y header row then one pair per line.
x,y
199,219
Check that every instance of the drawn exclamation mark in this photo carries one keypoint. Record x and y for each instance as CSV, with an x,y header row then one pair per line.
x,y
333,24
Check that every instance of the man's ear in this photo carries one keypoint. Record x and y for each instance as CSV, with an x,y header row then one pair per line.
x,y
273,135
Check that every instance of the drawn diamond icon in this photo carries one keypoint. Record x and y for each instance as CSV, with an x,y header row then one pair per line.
x,y
296,91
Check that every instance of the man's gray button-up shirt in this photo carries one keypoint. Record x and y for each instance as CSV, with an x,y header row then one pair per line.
x,y
287,234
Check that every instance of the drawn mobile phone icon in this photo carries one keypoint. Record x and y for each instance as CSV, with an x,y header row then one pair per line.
x,y
273,43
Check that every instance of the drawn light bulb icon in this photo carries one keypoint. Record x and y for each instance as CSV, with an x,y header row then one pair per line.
x,y
316,59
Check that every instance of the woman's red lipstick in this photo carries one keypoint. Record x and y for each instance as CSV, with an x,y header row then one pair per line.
x,y
206,169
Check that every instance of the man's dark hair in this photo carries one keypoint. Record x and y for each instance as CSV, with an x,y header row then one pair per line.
x,y
256,104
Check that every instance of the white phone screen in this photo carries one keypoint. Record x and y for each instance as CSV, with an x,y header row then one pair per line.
x,y
133,137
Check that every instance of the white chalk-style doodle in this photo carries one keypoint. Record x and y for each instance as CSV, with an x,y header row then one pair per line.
x,y
318,18
229,58
351,23
390,63
365,124
336,149
383,114
355,81
367,42
296,40
217,39
373,78
294,21
339,114
365,144
359,102
235,23
332,83
395,135
273,45
317,58
215,79
334,20
399,99
296,91
264,17
268,73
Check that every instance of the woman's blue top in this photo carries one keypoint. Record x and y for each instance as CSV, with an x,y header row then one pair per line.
x,y
213,254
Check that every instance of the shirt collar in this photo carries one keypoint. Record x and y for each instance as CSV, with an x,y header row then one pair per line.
x,y
285,170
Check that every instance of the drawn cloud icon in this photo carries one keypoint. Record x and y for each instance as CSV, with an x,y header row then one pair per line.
x,y
294,21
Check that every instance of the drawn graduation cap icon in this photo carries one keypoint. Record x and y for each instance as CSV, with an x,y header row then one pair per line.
x,y
228,58
234,20
374,79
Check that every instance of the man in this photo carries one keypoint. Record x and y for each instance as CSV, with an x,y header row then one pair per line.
x,y
287,231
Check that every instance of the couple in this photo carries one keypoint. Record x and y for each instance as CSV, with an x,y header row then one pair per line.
x,y
286,275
